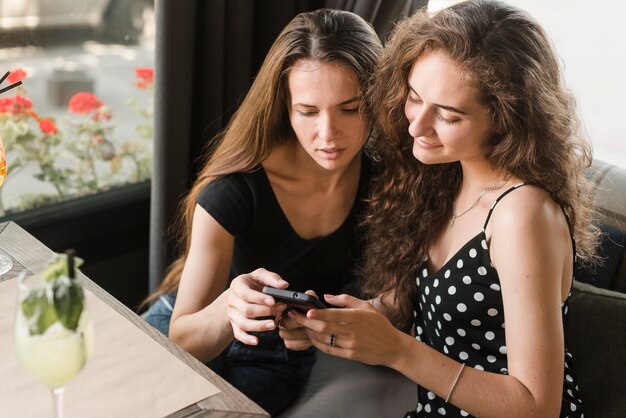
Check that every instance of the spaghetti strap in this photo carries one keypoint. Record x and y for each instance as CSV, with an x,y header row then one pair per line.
x,y
517,186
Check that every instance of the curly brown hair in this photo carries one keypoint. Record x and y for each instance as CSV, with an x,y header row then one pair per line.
x,y
507,56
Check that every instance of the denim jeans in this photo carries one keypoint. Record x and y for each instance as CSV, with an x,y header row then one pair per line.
x,y
269,373
159,313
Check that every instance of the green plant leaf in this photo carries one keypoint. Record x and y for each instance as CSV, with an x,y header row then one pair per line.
x,y
39,312
68,301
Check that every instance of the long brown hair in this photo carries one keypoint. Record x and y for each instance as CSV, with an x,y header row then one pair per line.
x,y
510,60
262,121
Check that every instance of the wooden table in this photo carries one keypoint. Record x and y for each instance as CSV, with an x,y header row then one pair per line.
x,y
29,254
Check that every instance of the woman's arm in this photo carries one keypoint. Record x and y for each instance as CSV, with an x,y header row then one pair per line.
x,y
531,251
206,317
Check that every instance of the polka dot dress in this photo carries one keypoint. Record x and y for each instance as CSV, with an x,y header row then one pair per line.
x,y
459,312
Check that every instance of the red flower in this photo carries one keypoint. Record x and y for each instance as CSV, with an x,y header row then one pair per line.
x,y
16,105
6,105
47,126
145,77
22,105
16,75
84,103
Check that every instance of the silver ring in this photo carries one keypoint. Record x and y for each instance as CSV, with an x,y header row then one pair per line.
x,y
279,323
331,341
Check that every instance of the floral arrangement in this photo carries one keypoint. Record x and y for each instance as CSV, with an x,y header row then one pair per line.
x,y
77,154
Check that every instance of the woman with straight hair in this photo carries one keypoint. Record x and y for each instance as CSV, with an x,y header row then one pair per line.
x,y
276,204
472,222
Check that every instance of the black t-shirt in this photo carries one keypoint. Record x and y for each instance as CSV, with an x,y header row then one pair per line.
x,y
245,205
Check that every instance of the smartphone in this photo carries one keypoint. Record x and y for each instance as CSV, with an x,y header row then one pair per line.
x,y
297,300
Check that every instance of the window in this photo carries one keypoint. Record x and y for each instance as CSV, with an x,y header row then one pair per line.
x,y
81,122
588,38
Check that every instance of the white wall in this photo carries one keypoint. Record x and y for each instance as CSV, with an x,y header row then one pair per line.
x,y
589,38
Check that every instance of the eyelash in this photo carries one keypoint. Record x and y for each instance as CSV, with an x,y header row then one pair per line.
x,y
445,120
412,100
348,111
437,115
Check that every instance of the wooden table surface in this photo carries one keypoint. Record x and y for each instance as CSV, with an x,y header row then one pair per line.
x,y
29,254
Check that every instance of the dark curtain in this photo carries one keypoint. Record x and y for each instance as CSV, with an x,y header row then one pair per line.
x,y
207,53
382,14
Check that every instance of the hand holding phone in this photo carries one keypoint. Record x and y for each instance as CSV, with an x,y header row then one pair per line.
x,y
293,299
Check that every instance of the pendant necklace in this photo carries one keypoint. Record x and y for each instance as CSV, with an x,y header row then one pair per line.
x,y
485,190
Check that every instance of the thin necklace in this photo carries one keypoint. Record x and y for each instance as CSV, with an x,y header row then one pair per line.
x,y
488,189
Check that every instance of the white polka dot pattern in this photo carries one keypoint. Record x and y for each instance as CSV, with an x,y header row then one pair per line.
x,y
461,315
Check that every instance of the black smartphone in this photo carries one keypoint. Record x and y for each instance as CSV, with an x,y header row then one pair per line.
x,y
293,299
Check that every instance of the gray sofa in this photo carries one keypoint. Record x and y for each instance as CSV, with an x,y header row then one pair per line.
x,y
595,334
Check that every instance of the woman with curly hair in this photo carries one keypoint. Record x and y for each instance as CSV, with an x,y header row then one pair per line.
x,y
472,222
276,204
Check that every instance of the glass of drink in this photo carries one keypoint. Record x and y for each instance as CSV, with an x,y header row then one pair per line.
x,y
53,333
5,262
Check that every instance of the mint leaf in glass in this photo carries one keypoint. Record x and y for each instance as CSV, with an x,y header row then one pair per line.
x,y
40,313
68,301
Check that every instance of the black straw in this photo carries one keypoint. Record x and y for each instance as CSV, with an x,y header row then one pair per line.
x,y
11,86
71,271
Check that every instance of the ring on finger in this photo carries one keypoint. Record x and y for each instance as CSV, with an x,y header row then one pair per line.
x,y
279,322
332,340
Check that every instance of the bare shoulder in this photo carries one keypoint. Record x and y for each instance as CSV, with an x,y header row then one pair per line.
x,y
529,220
527,207
531,246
